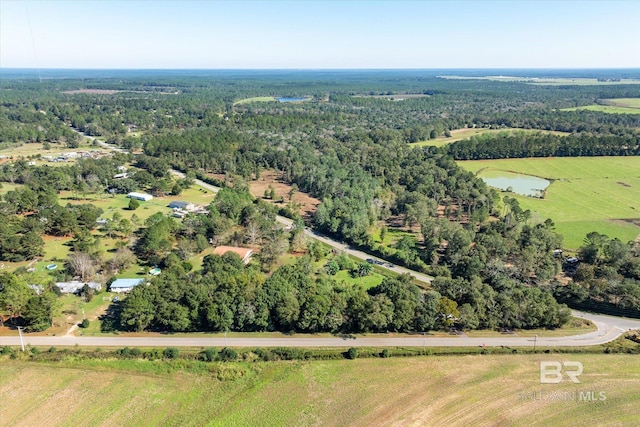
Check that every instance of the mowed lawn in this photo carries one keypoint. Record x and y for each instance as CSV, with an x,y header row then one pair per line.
x,y
587,193
469,390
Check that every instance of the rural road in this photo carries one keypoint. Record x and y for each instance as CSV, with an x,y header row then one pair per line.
x,y
329,241
609,328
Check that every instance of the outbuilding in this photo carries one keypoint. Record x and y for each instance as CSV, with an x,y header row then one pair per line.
x,y
140,196
124,285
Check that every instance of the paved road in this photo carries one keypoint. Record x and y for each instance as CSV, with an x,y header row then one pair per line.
x,y
609,328
329,241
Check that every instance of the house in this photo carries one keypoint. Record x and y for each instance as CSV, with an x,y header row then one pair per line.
x,y
186,206
75,286
140,196
124,285
244,253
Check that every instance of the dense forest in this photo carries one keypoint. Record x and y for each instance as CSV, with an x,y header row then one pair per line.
x,y
349,144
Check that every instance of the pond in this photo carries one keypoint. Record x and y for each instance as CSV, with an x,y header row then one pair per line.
x,y
289,99
525,185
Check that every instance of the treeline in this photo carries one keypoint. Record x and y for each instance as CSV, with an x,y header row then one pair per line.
x,y
508,145
226,295
606,276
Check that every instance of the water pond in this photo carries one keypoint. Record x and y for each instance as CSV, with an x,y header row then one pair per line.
x,y
525,185
289,99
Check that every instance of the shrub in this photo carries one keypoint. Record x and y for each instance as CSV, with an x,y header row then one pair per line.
x,y
171,352
208,354
52,350
228,354
85,323
352,353
385,353
6,350
133,204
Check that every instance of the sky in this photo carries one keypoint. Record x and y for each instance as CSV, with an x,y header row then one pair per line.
x,y
319,34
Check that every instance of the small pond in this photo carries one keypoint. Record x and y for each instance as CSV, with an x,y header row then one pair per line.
x,y
525,185
290,99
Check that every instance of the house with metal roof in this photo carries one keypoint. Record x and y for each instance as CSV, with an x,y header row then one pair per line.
x,y
124,285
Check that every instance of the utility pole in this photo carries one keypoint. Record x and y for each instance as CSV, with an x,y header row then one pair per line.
x,y
21,340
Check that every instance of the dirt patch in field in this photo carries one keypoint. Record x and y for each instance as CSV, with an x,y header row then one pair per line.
x,y
306,204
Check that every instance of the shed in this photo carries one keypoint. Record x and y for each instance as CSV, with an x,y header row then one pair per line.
x,y
140,196
124,285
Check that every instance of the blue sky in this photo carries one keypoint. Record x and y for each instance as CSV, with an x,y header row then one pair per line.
x,y
319,34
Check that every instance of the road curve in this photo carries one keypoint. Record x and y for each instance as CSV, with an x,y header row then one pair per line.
x,y
609,328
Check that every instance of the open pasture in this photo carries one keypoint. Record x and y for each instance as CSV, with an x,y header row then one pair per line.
x,y
435,390
586,194
466,133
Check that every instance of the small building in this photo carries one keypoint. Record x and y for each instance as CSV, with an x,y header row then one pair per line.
x,y
186,206
75,286
244,253
122,175
124,285
140,196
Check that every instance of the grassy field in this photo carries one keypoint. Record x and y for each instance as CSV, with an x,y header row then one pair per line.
x,y
465,133
611,109
35,149
587,193
613,106
255,99
434,390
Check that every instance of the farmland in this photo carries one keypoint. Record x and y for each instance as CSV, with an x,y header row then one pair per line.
x,y
586,194
403,391
460,134
613,106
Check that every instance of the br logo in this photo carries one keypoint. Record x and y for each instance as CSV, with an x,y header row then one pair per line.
x,y
551,371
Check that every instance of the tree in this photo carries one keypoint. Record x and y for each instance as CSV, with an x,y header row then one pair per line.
x,y
447,311
81,264
133,204
14,294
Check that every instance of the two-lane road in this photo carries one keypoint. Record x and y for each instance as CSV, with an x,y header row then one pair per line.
x,y
609,328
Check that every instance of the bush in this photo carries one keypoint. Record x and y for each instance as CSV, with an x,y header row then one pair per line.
x,y
52,350
6,350
171,352
352,353
385,353
133,204
228,354
85,323
208,354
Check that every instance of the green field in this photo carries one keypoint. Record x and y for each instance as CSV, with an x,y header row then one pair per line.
x,y
613,106
465,133
587,193
435,390
255,99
